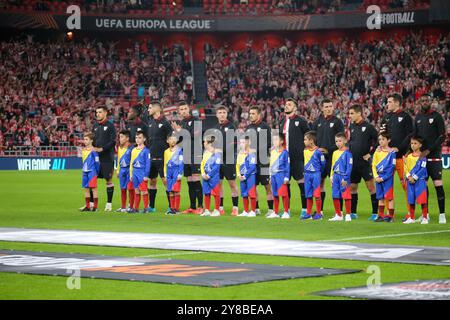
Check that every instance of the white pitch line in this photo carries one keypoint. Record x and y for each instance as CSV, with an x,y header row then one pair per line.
x,y
171,254
388,236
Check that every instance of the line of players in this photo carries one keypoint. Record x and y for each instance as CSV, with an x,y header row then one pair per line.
x,y
299,143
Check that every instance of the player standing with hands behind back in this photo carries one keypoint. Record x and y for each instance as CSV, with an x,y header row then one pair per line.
x,y
104,144
294,128
430,126
363,139
157,132
327,126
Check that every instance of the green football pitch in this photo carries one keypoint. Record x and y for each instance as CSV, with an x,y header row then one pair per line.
x,y
50,200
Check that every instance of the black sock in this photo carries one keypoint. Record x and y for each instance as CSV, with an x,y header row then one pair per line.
x,y
341,201
322,195
270,204
198,191
257,204
91,195
168,197
221,201
191,194
302,194
152,196
373,198
289,190
441,198
354,202
235,201
110,192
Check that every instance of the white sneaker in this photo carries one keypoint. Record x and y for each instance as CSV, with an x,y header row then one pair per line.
x,y
215,213
108,207
409,221
272,215
206,213
442,219
424,221
421,218
285,216
258,212
243,214
348,218
269,212
337,218
251,214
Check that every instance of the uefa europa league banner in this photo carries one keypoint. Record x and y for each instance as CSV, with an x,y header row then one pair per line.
x,y
373,18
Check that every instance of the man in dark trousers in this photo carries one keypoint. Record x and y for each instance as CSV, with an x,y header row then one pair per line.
x,y
326,127
430,126
294,128
399,125
104,144
229,148
192,125
261,131
158,129
135,121
362,144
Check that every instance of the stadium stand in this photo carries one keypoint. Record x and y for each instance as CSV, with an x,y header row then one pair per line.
x,y
48,91
134,7
210,7
348,72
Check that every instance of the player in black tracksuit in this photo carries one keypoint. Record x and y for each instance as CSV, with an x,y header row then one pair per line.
x,y
326,127
136,122
193,127
262,132
104,144
362,144
399,125
294,128
430,126
158,129
228,168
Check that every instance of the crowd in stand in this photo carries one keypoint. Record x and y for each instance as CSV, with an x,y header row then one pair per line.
x,y
348,72
231,7
48,91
